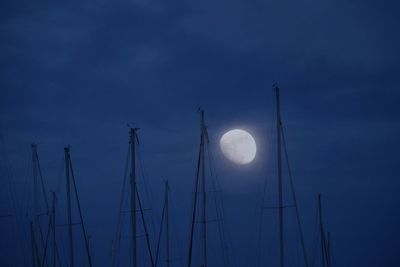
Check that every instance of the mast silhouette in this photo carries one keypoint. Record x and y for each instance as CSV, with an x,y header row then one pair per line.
x,y
329,255
35,187
280,193
53,223
200,173
51,230
203,178
133,139
41,242
38,185
164,224
282,154
70,179
135,201
69,208
325,246
135,205
167,222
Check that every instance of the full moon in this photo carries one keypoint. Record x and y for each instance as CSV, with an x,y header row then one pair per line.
x,y
238,146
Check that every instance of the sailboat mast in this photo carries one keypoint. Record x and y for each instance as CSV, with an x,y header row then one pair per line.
x,y
53,224
195,193
328,250
69,206
35,222
204,195
280,193
200,174
35,186
133,194
322,233
167,221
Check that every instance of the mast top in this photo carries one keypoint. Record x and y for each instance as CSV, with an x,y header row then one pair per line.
x,y
167,185
203,126
133,135
201,111
131,125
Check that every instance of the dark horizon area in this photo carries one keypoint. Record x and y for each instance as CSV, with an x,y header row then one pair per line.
x,y
79,72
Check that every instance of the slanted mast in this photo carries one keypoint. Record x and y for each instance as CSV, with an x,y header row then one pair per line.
x,y
39,191
280,193
206,191
164,225
324,238
200,180
70,181
133,194
44,244
53,224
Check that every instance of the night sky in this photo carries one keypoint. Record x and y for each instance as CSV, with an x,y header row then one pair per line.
x,y
77,72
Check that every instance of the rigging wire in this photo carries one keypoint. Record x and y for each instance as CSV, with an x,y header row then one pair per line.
x,y
118,235
294,198
316,235
62,252
260,209
220,217
36,164
26,195
80,214
45,197
117,238
196,184
145,229
149,195
42,183
160,233
225,235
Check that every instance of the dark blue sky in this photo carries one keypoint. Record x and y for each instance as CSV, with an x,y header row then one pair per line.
x,y
77,72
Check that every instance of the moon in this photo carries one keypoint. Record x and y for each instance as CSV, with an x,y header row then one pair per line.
x,y
238,146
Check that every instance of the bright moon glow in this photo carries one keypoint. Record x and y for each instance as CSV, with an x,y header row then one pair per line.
x,y
238,146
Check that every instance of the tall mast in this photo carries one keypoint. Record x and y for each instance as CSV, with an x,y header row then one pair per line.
x,y
35,223
135,206
167,220
35,186
80,213
133,194
322,234
53,223
69,206
203,179
164,223
200,171
39,187
280,193
328,250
